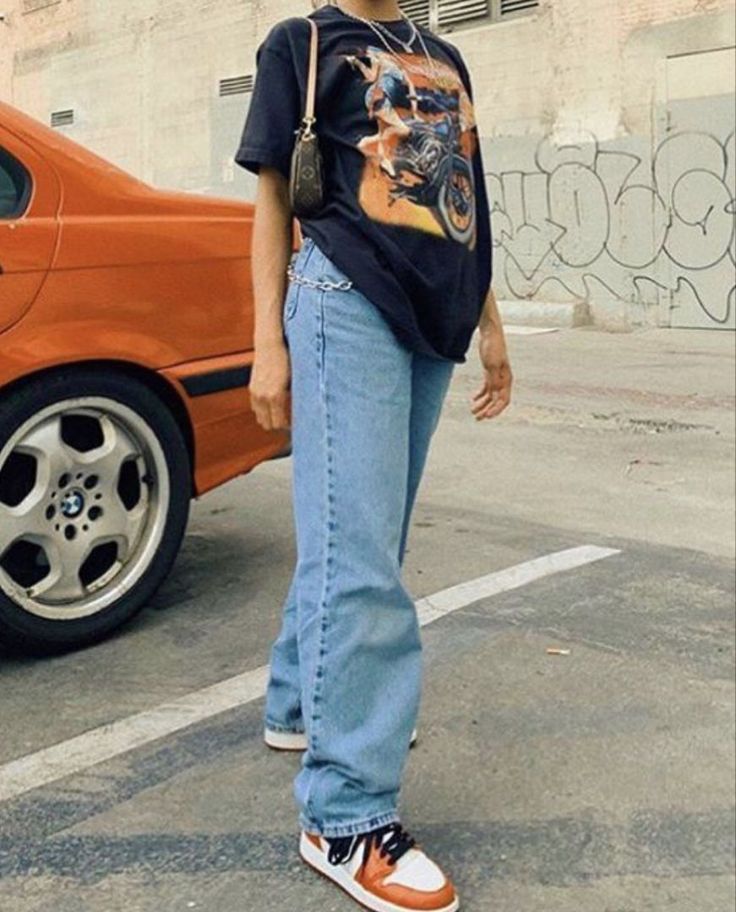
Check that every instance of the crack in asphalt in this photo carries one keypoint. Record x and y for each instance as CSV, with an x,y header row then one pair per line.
x,y
559,851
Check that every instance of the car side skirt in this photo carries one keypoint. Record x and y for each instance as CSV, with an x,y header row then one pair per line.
x,y
228,441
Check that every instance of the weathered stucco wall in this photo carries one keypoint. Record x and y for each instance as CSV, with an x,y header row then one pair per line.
x,y
608,130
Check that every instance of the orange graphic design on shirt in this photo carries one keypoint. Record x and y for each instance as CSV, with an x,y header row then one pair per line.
x,y
418,169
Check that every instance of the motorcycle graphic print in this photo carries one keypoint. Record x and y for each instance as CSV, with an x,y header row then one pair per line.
x,y
418,169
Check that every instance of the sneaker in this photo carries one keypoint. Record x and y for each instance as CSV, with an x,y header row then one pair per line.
x,y
297,741
285,741
384,870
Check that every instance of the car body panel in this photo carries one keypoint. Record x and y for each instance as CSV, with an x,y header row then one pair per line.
x,y
224,418
27,243
114,270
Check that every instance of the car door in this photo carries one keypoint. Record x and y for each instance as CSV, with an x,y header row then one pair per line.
x,y
29,203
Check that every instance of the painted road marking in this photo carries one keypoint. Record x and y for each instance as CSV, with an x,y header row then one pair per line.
x,y
447,600
100,744
511,329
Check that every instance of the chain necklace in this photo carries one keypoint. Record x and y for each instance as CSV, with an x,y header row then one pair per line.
x,y
379,29
406,45
378,24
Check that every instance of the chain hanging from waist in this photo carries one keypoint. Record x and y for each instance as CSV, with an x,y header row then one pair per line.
x,y
324,284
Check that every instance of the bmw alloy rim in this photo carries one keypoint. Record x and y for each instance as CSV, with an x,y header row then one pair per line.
x,y
84,496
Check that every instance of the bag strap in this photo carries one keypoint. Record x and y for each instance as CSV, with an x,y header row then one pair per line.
x,y
309,118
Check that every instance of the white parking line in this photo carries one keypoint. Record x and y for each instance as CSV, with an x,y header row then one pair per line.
x,y
447,600
99,744
512,329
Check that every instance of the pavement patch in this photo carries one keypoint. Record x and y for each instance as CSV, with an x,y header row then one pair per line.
x,y
559,851
77,754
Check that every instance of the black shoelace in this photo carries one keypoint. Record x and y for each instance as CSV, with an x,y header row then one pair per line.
x,y
392,841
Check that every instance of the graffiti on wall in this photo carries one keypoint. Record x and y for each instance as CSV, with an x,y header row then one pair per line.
x,y
656,230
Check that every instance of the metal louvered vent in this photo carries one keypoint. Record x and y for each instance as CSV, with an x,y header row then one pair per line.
x,y
450,12
517,6
446,15
62,118
236,85
417,10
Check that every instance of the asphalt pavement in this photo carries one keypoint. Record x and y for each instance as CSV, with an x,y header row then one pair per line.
x,y
595,517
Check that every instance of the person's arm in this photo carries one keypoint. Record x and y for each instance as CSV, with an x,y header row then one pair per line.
x,y
494,393
265,149
271,250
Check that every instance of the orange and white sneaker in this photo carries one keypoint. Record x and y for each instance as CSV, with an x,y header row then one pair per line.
x,y
384,870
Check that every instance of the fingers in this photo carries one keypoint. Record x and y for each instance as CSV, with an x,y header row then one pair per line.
x,y
482,399
490,401
496,408
279,415
271,411
269,388
263,415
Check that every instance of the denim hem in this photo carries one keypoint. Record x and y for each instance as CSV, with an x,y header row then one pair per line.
x,y
348,829
274,726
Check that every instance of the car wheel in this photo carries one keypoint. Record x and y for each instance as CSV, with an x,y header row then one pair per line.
x,y
95,487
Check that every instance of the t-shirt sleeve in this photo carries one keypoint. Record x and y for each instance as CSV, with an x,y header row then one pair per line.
x,y
464,74
485,230
275,109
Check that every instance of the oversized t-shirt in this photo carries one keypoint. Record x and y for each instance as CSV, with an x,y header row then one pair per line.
x,y
405,214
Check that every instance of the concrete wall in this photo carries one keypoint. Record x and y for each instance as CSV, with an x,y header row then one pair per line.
x,y
608,132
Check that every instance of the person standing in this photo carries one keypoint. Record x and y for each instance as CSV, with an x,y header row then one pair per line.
x,y
356,339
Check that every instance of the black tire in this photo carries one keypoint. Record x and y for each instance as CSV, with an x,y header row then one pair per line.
x,y
446,204
32,633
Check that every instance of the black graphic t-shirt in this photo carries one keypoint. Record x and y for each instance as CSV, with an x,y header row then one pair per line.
x,y
405,213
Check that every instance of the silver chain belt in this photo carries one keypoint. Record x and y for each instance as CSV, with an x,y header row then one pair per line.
x,y
324,285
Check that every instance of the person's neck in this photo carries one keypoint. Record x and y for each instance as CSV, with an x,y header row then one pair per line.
x,y
372,9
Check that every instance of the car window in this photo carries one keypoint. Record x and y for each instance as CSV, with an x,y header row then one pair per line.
x,y
15,186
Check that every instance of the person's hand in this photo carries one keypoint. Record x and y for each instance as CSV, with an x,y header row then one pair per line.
x,y
269,384
494,393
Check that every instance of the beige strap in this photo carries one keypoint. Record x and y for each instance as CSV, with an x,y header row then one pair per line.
x,y
312,78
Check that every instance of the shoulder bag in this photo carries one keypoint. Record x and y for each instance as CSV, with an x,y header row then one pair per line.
x,y
306,184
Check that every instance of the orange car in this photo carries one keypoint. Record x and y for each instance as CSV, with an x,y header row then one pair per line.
x,y
126,343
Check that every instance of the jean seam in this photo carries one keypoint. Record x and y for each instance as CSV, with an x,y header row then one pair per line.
x,y
310,248
291,306
329,546
276,726
366,825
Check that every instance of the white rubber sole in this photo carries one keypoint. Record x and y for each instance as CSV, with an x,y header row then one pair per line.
x,y
296,741
285,741
317,860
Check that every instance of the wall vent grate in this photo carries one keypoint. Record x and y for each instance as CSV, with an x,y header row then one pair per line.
x,y
446,15
517,6
450,12
417,10
62,118
236,85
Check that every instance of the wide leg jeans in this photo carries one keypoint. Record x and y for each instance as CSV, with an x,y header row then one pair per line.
x,y
346,667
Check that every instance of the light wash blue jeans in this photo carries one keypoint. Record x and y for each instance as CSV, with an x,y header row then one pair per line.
x,y
346,666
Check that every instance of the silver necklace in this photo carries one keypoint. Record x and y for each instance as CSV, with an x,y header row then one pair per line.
x,y
379,29
378,24
406,45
